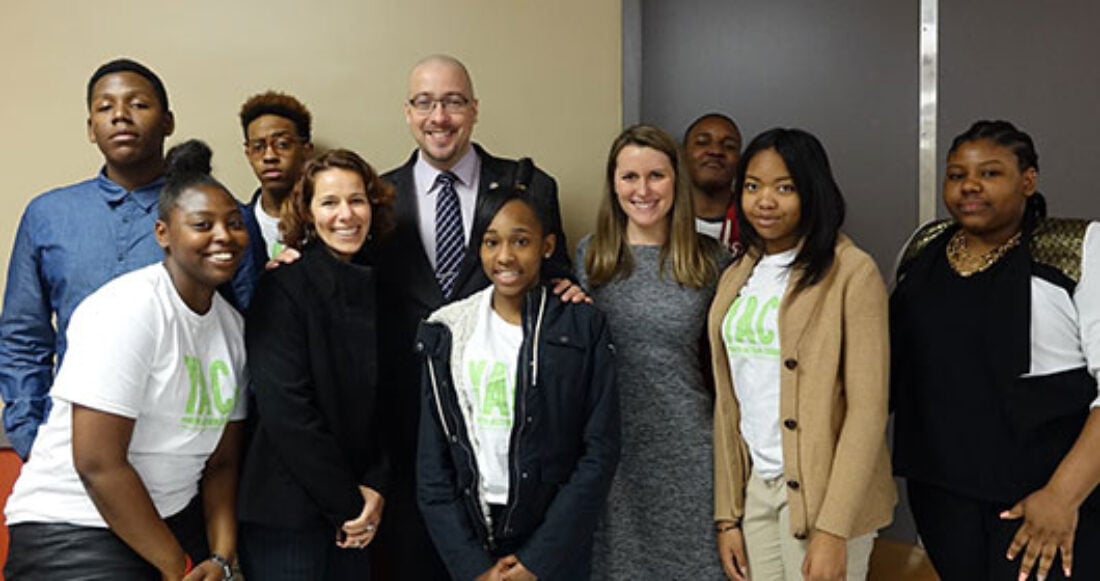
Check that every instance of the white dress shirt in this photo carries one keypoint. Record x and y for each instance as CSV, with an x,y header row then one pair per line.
x,y
468,172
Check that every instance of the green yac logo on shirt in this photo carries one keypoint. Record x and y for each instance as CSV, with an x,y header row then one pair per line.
x,y
744,330
206,408
493,405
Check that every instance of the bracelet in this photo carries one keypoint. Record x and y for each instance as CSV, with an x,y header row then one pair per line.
x,y
227,567
725,528
187,564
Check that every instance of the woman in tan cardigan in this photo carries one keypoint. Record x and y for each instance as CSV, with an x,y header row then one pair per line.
x,y
798,334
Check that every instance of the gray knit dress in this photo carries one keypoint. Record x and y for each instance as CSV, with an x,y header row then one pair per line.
x,y
659,520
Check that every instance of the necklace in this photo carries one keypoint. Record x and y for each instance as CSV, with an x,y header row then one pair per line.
x,y
967,264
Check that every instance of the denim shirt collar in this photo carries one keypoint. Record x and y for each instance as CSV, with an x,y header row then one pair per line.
x,y
146,196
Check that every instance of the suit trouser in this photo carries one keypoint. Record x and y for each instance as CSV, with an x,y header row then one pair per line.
x,y
773,551
276,554
403,549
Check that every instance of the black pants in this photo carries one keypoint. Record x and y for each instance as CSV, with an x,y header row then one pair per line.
x,y
573,567
967,540
403,549
277,554
64,552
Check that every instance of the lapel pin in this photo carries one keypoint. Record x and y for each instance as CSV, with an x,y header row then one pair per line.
x,y
494,185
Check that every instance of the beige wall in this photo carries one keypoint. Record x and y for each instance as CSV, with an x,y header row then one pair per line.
x,y
547,75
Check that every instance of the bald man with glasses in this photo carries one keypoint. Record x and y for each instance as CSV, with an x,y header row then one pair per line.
x,y
430,260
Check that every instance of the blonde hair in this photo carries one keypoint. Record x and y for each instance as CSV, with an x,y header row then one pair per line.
x,y
609,258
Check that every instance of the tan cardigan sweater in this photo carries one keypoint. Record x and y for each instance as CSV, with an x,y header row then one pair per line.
x,y
833,395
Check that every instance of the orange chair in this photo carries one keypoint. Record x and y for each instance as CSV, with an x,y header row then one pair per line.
x,y
900,561
9,471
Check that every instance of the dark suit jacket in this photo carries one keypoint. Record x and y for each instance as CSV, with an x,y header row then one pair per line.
x,y
409,292
312,356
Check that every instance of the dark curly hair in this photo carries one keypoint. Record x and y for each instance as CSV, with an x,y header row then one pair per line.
x,y
281,105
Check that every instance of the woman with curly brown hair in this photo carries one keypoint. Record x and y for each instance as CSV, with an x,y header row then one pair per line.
x,y
315,473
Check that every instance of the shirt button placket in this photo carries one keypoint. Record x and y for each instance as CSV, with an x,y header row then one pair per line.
x,y
123,231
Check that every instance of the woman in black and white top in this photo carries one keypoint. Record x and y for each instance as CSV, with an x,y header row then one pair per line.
x,y
995,326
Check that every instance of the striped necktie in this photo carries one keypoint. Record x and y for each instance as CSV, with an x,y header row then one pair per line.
x,y
450,244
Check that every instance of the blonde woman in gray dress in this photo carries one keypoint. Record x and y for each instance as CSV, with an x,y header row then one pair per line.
x,y
654,277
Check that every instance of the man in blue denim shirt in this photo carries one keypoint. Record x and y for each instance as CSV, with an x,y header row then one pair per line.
x,y
73,239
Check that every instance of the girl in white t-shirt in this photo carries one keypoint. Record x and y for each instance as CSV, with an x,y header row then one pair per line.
x,y
798,334
147,410
519,426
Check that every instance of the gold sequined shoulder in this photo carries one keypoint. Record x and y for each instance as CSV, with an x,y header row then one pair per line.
x,y
1059,243
921,239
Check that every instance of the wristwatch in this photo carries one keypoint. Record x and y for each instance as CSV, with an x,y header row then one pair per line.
x,y
227,567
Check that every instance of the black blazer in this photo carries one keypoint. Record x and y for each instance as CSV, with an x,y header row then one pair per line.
x,y
409,292
312,355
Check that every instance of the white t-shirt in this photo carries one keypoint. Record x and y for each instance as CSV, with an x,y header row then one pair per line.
x,y
269,229
488,390
750,331
1065,330
137,350
712,228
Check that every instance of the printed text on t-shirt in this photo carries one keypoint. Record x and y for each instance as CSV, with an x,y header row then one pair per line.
x,y
207,406
745,331
493,398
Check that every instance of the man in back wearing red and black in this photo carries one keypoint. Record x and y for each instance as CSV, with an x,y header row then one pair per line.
x,y
712,148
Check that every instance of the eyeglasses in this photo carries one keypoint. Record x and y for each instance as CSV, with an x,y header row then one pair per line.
x,y
451,102
281,145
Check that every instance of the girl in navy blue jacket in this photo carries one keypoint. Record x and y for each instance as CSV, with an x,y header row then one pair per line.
x,y
519,427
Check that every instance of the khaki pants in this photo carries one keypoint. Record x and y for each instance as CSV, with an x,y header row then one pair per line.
x,y
774,554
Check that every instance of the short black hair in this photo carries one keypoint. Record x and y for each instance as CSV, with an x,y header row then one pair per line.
x,y
822,204
125,65
711,115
